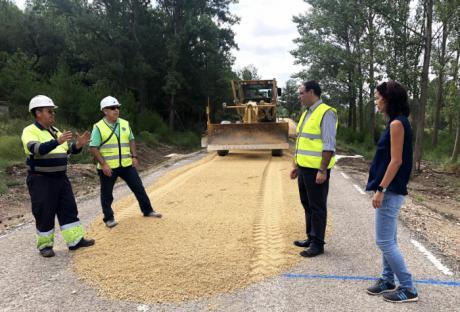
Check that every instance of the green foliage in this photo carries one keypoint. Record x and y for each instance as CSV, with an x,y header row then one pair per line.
x,y
188,140
10,147
149,121
355,142
442,152
290,99
248,72
13,126
151,139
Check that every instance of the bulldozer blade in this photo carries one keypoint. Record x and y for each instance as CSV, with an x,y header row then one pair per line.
x,y
269,135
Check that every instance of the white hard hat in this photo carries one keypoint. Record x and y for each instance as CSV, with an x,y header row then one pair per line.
x,y
109,101
41,101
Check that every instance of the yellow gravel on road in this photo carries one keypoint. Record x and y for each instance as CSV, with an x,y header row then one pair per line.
x,y
227,222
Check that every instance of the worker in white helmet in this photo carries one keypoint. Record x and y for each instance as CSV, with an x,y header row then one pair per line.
x,y
113,146
47,151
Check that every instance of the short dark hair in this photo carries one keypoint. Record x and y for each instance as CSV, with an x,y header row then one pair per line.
x,y
35,110
312,85
396,98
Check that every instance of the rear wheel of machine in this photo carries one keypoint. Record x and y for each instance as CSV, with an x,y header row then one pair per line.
x,y
222,152
277,152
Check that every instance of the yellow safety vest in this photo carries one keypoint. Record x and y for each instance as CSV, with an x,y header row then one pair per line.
x,y
115,151
52,162
309,146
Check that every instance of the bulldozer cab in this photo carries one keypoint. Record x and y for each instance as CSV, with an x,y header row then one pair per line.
x,y
256,91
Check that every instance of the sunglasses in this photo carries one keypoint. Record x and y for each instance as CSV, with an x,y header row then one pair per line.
x,y
113,107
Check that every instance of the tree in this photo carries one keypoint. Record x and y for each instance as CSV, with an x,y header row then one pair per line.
x,y
428,5
248,72
290,99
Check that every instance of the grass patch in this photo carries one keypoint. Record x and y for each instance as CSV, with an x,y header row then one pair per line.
x,y
355,142
419,199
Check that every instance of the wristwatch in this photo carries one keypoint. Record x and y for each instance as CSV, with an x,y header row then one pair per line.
x,y
381,189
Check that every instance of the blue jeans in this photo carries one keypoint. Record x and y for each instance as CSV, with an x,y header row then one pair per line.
x,y
386,223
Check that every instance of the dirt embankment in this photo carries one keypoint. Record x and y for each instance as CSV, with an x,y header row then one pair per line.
x,y
432,209
15,204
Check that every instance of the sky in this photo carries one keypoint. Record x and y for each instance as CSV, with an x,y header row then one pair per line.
x,y
264,36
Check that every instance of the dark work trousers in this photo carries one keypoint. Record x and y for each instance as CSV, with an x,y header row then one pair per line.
x,y
314,201
51,196
131,177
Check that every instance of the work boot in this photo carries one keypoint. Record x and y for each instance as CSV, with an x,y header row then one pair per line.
x,y
153,214
313,251
83,243
47,252
302,243
111,223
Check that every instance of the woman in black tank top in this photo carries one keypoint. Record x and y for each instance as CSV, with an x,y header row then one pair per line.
x,y
388,177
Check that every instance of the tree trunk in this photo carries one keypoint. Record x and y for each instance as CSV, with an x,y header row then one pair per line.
x,y
456,149
360,100
172,112
371,76
440,93
424,85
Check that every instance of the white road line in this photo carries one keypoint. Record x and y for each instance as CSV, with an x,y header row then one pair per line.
x,y
441,267
344,175
359,189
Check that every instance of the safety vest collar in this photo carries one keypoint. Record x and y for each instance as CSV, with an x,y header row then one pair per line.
x,y
312,108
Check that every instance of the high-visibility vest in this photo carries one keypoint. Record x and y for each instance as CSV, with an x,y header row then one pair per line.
x,y
52,162
309,146
115,151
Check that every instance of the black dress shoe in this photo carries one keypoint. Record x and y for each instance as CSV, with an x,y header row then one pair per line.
x,y
313,251
302,243
83,243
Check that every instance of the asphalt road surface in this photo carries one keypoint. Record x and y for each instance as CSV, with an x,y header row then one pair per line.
x,y
334,281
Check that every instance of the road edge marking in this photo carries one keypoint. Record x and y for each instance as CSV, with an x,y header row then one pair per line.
x,y
359,189
436,262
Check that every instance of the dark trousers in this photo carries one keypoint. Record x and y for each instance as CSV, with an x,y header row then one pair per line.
x,y
131,177
314,201
51,196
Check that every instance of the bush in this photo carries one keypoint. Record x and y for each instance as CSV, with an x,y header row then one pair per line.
x,y
188,139
13,126
11,148
151,139
152,122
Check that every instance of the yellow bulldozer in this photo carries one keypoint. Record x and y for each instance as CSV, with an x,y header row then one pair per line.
x,y
257,127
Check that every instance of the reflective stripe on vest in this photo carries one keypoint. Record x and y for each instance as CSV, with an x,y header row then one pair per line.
x,y
54,161
116,151
309,146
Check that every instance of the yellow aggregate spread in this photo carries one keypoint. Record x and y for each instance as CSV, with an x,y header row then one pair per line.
x,y
227,222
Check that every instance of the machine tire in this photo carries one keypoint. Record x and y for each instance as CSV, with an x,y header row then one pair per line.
x,y
277,152
222,152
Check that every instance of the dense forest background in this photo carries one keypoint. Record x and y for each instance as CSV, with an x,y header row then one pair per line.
x,y
164,60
